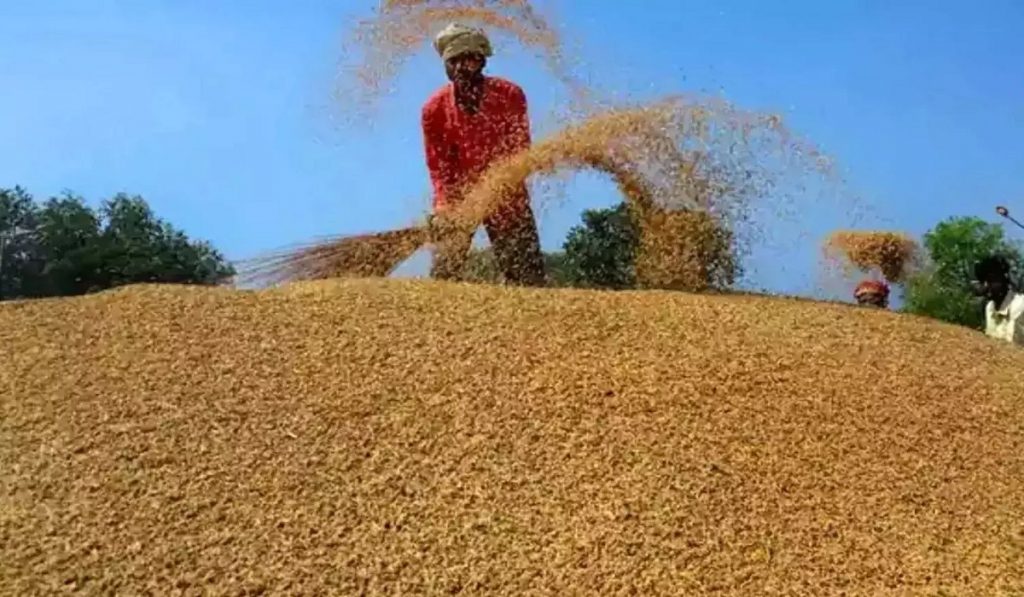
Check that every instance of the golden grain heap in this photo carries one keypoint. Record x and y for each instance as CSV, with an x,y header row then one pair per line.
x,y
891,253
397,436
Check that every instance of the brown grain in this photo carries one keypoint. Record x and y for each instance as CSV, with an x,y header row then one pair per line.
x,y
405,436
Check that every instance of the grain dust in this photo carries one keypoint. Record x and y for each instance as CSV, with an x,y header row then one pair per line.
x,y
397,436
383,43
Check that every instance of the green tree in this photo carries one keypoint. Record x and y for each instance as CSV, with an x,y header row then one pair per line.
x,y
68,237
600,252
68,248
18,218
136,246
944,289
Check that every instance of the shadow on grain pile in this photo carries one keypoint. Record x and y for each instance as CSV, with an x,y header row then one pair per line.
x,y
386,436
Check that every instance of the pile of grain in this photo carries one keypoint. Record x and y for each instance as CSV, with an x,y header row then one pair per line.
x,y
416,437
891,253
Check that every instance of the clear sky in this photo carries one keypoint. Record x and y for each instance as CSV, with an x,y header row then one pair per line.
x,y
219,112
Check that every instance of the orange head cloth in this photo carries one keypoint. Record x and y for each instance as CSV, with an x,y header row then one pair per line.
x,y
871,287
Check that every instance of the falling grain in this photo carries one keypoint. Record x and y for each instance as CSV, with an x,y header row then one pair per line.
x,y
891,253
684,250
400,29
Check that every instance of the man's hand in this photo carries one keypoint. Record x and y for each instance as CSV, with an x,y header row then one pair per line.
x,y
441,224
447,222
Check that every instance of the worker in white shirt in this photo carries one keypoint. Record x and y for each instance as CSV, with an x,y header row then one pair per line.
x,y
1005,305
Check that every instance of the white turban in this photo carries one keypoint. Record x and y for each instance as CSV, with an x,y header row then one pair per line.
x,y
455,40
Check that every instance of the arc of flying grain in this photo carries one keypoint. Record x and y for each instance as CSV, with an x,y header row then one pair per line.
x,y
640,148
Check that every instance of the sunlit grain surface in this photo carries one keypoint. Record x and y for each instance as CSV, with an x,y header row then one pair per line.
x,y
417,437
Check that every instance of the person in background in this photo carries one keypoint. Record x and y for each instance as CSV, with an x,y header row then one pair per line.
x,y
872,293
468,125
1004,304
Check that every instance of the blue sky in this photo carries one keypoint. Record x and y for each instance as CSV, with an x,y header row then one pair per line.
x,y
221,114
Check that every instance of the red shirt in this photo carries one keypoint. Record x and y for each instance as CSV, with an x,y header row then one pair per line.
x,y
460,146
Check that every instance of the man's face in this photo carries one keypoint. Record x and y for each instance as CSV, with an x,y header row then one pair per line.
x,y
873,299
464,68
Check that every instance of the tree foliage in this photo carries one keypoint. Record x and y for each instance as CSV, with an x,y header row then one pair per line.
x,y
64,247
597,254
600,252
944,290
19,259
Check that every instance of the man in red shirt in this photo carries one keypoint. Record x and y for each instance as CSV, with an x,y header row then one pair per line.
x,y
468,125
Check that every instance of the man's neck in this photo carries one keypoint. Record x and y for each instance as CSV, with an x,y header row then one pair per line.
x,y
469,94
